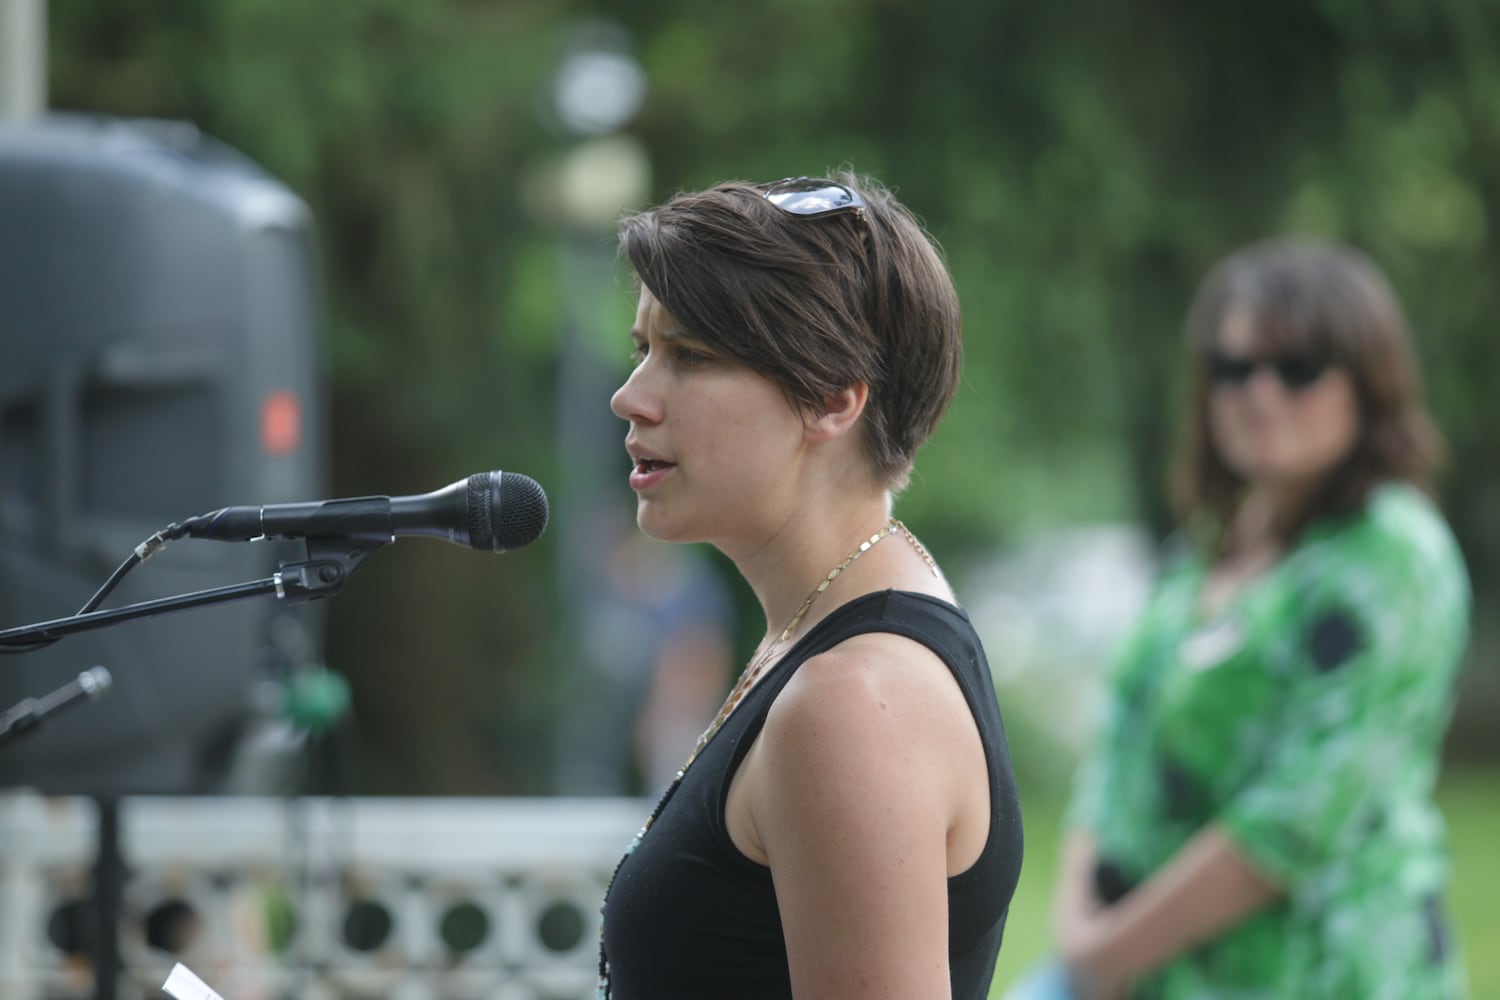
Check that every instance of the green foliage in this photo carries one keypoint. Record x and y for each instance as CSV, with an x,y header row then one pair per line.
x,y
1081,163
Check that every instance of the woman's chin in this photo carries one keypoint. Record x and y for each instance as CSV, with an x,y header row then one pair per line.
x,y
657,524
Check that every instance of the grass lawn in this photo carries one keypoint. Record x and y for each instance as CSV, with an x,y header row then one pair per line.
x,y
1470,799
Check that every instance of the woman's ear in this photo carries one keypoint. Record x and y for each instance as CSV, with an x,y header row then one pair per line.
x,y
838,414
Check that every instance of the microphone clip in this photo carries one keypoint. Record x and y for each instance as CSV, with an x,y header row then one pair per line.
x,y
329,564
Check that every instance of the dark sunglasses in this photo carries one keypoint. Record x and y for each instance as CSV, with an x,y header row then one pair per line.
x,y
812,197
1296,372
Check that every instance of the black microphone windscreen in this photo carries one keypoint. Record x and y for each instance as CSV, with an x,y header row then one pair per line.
x,y
506,510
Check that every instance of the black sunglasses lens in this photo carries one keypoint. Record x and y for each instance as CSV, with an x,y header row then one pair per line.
x,y
1299,373
1230,371
1294,372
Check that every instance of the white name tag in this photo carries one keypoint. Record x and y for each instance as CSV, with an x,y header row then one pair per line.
x,y
1213,644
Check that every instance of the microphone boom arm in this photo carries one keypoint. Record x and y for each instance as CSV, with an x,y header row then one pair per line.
x,y
329,564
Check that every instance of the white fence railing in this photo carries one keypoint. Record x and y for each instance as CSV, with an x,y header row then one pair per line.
x,y
315,898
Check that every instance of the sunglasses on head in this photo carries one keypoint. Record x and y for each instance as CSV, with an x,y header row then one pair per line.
x,y
1296,372
812,197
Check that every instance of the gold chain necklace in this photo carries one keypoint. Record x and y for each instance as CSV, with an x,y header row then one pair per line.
x,y
757,666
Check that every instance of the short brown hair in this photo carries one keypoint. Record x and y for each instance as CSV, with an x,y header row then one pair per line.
x,y
814,304
1330,302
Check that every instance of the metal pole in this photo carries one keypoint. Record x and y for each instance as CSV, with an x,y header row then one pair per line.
x,y
109,883
23,59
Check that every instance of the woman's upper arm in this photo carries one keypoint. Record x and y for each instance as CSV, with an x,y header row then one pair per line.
x,y
853,815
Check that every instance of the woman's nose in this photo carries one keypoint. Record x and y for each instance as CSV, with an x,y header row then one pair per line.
x,y
632,401
1265,384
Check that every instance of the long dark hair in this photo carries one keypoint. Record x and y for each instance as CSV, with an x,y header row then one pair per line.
x,y
1327,301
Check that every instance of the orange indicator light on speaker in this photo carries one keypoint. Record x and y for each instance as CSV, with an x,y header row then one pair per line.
x,y
280,423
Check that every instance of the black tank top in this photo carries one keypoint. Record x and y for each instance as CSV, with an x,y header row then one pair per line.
x,y
689,917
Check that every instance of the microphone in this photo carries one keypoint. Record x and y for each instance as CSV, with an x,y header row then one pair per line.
x,y
32,712
489,511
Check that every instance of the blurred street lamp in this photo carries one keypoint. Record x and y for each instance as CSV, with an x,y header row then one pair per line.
x,y
598,89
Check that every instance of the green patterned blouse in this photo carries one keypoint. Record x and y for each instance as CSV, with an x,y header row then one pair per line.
x,y
1305,719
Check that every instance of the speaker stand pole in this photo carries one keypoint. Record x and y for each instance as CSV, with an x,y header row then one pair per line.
x,y
109,879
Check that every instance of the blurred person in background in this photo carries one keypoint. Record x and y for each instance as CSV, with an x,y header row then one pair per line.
x,y
848,824
1257,818
679,608
656,627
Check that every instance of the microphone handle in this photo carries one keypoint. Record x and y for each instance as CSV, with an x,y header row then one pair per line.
x,y
358,517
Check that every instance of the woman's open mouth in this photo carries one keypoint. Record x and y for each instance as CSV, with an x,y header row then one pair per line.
x,y
648,472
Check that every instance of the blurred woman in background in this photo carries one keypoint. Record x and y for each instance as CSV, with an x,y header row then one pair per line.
x,y
1257,819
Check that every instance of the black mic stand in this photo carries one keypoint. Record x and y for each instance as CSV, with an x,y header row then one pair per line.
x,y
328,567
329,564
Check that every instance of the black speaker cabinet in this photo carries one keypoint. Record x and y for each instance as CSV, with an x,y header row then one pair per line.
x,y
159,321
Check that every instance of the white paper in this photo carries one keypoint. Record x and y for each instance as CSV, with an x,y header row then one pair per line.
x,y
183,985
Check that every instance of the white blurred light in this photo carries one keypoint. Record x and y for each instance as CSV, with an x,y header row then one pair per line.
x,y
598,91
601,178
